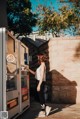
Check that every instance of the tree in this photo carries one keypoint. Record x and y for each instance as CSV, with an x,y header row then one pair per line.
x,y
53,21
76,2
20,17
75,23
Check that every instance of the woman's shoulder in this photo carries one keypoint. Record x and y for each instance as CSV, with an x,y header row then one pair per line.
x,y
43,64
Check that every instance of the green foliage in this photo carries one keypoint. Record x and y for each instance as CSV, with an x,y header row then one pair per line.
x,y
53,21
20,17
75,2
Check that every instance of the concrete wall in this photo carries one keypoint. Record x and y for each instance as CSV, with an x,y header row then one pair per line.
x,y
64,60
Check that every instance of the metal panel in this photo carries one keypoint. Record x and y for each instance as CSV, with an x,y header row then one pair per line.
x,y
1,102
3,70
3,14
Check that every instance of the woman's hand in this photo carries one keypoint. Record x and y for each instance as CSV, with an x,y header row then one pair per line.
x,y
38,88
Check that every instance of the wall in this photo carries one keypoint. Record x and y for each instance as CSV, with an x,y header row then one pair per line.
x,y
64,64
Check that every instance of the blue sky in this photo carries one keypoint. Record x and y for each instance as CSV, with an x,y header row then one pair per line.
x,y
55,3
35,3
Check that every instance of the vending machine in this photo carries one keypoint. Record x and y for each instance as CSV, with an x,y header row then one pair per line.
x,y
14,76
12,72
24,66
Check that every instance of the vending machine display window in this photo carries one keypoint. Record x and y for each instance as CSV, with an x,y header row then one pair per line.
x,y
24,56
24,88
11,82
26,60
23,82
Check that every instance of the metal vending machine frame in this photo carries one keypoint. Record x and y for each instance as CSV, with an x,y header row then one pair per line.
x,y
3,113
11,90
12,87
24,77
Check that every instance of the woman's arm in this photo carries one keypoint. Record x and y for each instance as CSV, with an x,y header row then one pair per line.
x,y
32,72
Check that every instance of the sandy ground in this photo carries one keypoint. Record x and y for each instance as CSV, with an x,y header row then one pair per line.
x,y
58,111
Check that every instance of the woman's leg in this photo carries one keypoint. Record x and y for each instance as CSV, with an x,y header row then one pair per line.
x,y
42,100
41,96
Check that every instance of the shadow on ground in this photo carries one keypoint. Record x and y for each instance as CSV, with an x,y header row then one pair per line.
x,y
32,112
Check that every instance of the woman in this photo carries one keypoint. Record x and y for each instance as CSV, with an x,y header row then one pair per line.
x,y
40,75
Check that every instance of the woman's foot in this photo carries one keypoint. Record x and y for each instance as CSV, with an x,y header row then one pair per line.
x,y
48,109
41,114
43,107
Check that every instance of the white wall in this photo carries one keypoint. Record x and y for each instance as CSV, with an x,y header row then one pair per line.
x,y
64,59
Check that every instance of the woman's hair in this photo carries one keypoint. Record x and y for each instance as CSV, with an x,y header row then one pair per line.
x,y
42,57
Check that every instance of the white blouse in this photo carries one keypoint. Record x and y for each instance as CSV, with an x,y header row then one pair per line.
x,y
38,73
